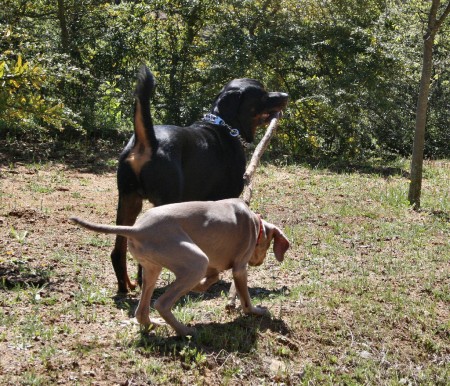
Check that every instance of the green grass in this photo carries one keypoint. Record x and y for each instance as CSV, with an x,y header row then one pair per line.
x,y
362,297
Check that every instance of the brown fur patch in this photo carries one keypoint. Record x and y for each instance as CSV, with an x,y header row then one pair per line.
x,y
141,152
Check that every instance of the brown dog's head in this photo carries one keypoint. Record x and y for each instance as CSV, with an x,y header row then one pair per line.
x,y
244,104
267,233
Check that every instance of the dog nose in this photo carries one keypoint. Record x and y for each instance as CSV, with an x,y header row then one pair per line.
x,y
284,97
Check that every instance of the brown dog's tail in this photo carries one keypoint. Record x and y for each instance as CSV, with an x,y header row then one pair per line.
x,y
121,230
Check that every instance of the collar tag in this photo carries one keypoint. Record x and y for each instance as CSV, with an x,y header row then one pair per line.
x,y
215,119
234,132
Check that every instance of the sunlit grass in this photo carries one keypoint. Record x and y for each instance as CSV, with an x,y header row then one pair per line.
x,y
361,298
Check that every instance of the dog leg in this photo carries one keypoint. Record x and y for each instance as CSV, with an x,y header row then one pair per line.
x,y
129,207
240,280
150,276
166,301
210,278
188,275
231,305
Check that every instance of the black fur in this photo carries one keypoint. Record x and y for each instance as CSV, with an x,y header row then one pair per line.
x,y
198,162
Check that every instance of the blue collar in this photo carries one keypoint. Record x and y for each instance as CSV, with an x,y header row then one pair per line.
x,y
216,120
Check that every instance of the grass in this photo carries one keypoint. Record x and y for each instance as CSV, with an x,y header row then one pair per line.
x,y
362,297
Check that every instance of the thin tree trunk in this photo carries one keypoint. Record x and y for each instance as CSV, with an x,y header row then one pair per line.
x,y
415,186
63,26
434,24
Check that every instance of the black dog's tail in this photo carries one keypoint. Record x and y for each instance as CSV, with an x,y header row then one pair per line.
x,y
145,141
143,123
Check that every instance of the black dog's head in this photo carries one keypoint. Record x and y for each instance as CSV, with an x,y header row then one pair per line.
x,y
244,104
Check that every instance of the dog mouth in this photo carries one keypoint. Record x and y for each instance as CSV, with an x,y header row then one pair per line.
x,y
277,102
273,106
265,118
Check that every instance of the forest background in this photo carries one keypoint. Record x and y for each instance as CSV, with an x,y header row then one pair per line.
x,y
351,68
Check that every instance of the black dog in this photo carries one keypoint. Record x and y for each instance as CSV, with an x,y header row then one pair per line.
x,y
205,161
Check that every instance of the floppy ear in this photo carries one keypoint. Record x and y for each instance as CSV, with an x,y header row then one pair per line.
x,y
227,104
280,244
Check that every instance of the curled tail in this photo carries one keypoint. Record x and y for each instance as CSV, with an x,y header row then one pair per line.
x,y
125,231
145,141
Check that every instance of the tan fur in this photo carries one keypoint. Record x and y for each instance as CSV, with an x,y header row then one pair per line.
x,y
196,241
141,152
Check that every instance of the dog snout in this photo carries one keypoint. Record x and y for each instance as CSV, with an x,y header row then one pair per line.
x,y
282,98
277,101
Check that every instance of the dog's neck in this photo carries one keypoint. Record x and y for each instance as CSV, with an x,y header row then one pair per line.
x,y
216,120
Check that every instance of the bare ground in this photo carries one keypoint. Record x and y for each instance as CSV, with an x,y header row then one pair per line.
x,y
61,321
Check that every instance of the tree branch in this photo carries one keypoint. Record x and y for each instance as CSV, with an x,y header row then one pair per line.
x,y
443,16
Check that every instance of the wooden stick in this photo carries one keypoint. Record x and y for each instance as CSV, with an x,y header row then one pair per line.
x,y
248,187
256,157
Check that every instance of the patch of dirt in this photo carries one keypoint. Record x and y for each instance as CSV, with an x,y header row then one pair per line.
x,y
339,303
80,329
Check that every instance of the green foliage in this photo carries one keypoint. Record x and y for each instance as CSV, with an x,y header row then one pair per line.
x,y
28,102
351,68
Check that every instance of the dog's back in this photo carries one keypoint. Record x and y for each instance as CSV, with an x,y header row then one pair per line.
x,y
196,162
208,224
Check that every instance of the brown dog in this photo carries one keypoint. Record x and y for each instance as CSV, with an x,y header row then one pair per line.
x,y
196,241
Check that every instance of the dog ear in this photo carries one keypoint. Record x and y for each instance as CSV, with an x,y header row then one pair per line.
x,y
227,105
280,244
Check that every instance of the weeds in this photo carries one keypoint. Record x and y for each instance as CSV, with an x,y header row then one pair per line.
x,y
192,357
361,298
20,237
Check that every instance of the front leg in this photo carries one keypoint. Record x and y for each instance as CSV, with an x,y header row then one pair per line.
x,y
231,305
240,281
211,277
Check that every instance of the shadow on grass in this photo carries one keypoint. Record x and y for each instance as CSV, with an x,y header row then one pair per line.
x,y
129,302
380,167
239,335
441,215
89,156
20,275
384,171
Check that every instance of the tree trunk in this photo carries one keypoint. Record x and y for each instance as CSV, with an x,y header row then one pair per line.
x,y
415,186
63,26
434,24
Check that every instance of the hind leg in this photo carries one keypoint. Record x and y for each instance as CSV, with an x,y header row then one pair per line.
x,y
130,205
165,303
150,276
188,275
212,277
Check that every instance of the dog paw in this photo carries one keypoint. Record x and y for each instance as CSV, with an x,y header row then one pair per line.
x,y
156,322
148,324
231,307
259,311
187,331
